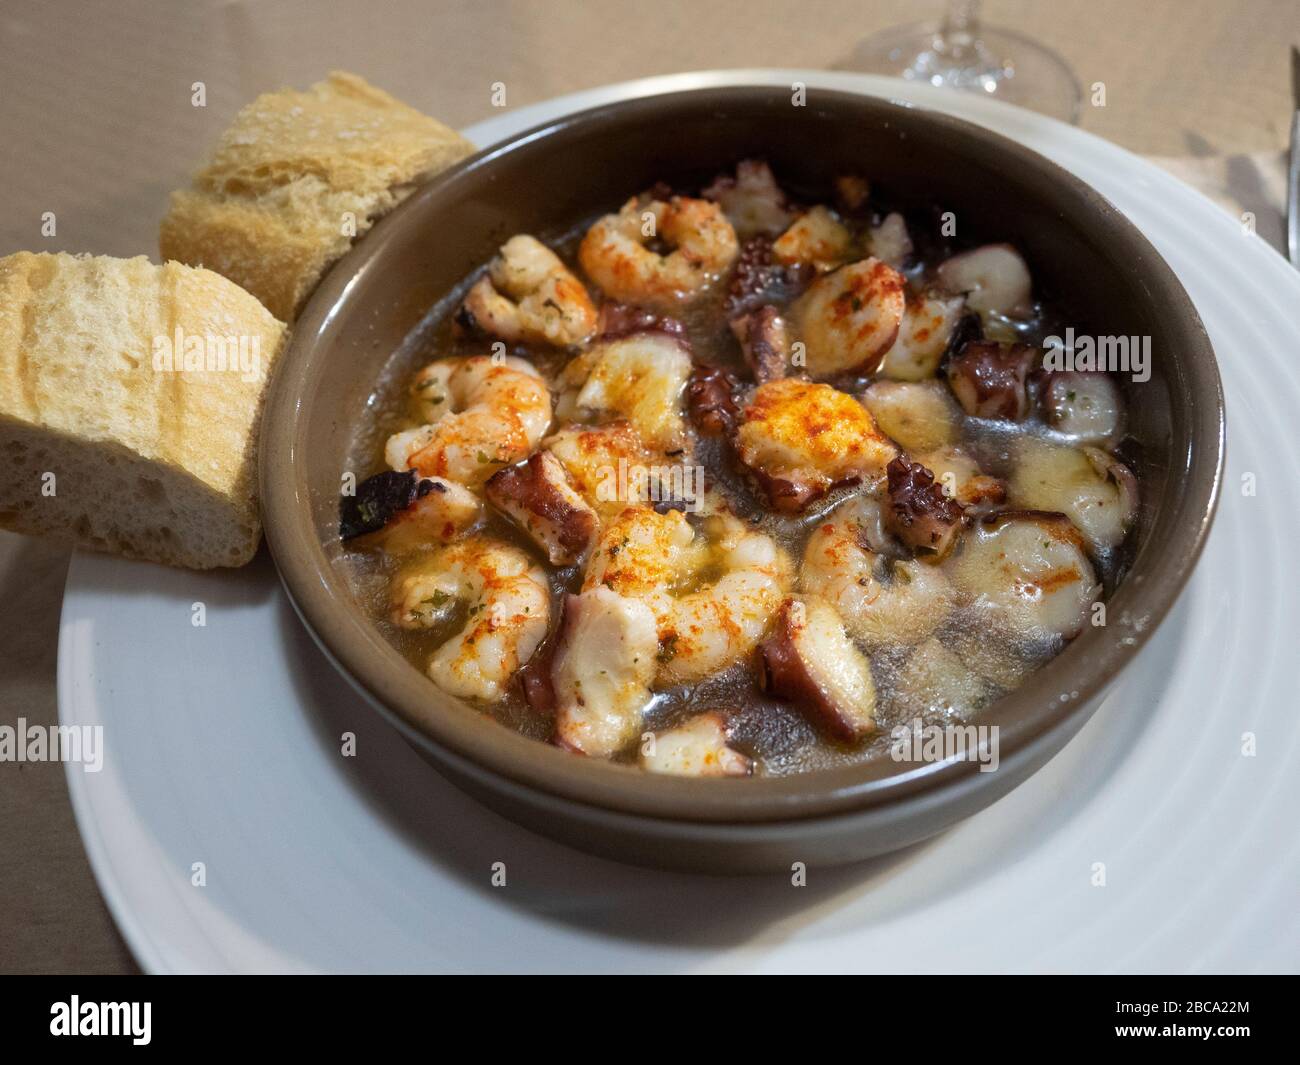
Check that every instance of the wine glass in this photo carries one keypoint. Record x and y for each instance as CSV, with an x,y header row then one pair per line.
x,y
959,53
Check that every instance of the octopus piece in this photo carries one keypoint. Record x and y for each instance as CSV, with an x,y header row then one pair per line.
x,y
1086,407
616,252
528,296
765,341
816,239
916,415
704,626
810,660
919,513
639,378
801,439
537,494
848,319
1091,487
696,749
601,673
711,400
507,600
534,677
961,479
488,413
929,324
994,279
752,200
759,279
405,511
989,379
622,319
1029,571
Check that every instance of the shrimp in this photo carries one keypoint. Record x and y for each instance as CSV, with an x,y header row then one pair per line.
x,y
889,241
485,415
441,512
642,553
849,318
696,749
405,512
639,377
713,628
1029,572
592,459
529,296
430,391
752,200
882,600
917,415
994,278
928,324
801,439
817,238
1089,486
1086,407
660,560
508,602
616,256
852,192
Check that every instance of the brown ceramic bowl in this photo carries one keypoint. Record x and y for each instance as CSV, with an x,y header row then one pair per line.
x,y
1084,255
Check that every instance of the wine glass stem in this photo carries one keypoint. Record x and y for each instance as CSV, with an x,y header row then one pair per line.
x,y
960,26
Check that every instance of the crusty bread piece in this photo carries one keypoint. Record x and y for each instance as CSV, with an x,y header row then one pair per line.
x,y
295,178
109,438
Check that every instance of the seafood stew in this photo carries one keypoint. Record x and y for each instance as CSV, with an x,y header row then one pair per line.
x,y
735,478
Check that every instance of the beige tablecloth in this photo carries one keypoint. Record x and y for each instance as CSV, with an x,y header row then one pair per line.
x,y
96,124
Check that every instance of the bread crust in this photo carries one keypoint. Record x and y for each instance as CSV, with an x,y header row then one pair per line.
x,y
295,178
130,396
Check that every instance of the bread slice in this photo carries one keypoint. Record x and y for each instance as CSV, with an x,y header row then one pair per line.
x,y
108,438
295,178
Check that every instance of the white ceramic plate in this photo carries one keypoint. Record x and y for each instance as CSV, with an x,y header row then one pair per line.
x,y
223,742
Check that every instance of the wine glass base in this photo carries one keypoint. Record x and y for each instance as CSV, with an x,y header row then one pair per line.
x,y
993,62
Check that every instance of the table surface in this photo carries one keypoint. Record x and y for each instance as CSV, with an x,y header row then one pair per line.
x,y
98,126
